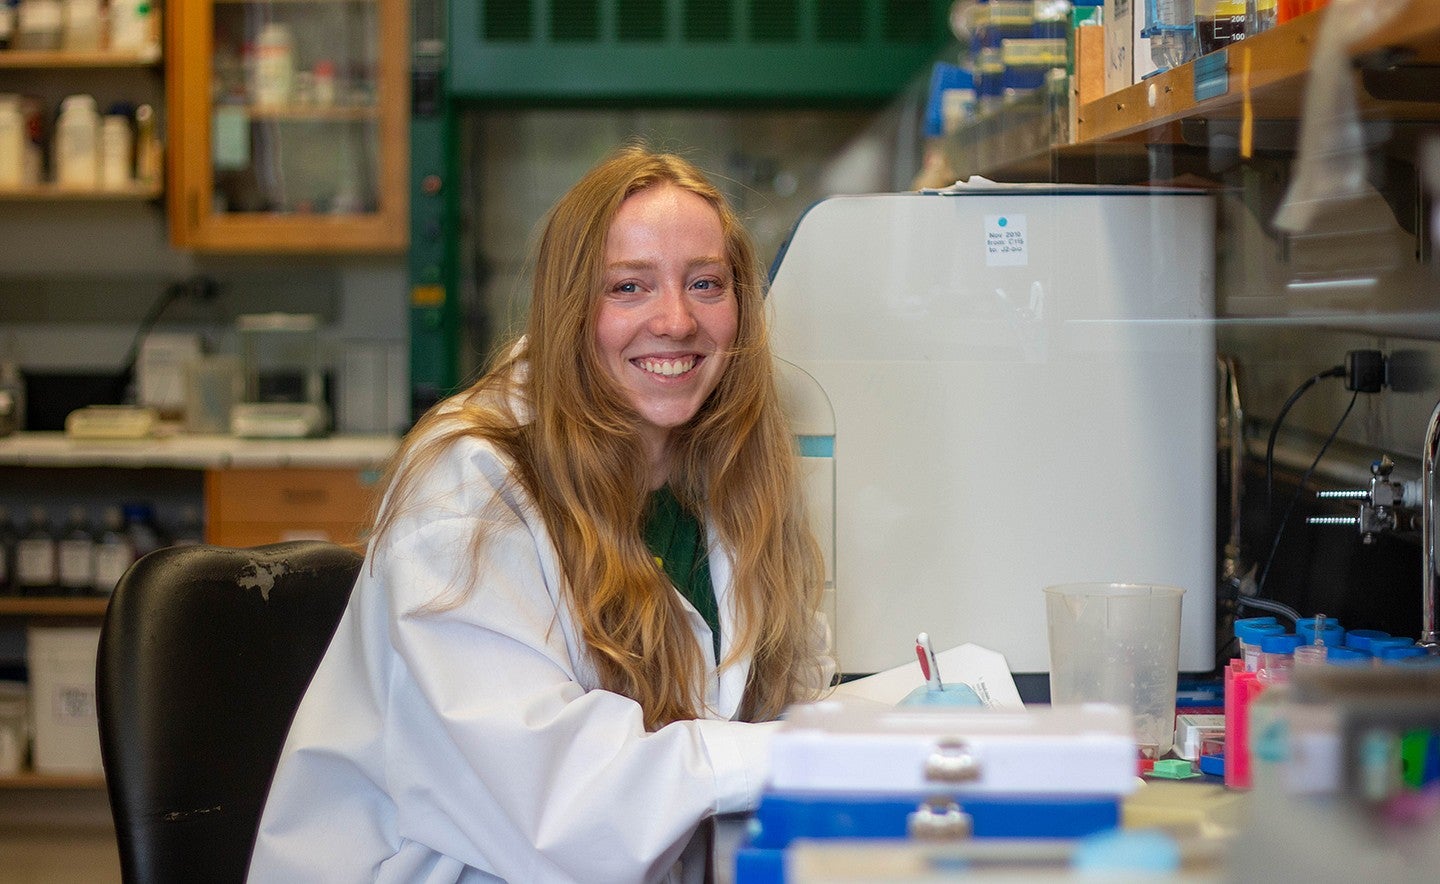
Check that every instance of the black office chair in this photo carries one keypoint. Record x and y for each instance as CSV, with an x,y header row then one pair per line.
x,y
204,655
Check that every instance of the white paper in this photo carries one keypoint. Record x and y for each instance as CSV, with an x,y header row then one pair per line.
x,y
984,670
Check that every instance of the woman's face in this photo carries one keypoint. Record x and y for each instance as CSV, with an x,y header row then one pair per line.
x,y
668,314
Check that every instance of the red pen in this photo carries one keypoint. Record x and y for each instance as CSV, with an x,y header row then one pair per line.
x,y
928,666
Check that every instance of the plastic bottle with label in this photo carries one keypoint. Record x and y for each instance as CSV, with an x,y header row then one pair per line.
x,y
38,25
117,152
7,23
132,26
83,26
35,555
12,142
148,151
113,552
274,70
75,554
1170,25
77,143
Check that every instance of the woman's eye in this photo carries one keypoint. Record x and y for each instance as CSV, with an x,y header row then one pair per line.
x,y
626,288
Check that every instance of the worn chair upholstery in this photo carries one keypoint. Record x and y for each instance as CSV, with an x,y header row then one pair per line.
x,y
204,655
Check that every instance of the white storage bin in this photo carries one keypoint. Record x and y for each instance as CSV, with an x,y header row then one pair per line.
x,y
62,699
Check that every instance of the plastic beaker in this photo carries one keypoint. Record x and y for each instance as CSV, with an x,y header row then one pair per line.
x,y
1118,643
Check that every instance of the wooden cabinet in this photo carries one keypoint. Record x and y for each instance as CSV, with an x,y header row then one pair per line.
x,y
248,507
288,125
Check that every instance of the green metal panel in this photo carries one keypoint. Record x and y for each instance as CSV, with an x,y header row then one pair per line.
x,y
693,51
433,271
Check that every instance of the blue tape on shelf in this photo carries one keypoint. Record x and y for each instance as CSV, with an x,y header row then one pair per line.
x,y
1212,75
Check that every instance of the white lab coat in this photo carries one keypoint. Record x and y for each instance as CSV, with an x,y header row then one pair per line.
x,y
473,744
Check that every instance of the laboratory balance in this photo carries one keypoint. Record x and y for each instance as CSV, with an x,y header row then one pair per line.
x,y
284,382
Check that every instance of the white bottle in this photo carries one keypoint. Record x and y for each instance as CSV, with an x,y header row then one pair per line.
x,y
82,26
7,24
132,27
38,25
12,142
274,71
117,152
77,142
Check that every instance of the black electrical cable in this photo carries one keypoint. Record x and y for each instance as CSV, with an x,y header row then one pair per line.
x,y
1295,498
1335,372
200,288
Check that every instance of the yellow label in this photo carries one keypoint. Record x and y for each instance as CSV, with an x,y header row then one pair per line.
x,y
427,295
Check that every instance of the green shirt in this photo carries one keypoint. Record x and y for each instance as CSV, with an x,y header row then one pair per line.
x,y
677,541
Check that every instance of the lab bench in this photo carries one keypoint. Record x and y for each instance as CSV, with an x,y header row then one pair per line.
x,y
251,491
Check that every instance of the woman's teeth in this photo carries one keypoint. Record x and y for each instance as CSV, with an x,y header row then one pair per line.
x,y
666,367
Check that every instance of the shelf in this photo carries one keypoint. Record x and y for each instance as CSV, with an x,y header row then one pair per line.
x,y
30,58
1266,76
131,193
57,606
1264,80
32,780
313,113
186,451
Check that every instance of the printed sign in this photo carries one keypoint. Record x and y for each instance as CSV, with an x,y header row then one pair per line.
x,y
1005,244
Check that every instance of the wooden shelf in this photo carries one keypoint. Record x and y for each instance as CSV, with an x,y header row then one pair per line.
x,y
1266,76
1264,79
33,780
52,606
130,193
30,58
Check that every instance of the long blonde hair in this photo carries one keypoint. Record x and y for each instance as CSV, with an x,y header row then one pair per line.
x,y
551,406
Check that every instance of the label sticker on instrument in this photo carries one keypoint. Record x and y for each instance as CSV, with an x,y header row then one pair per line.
x,y
1005,244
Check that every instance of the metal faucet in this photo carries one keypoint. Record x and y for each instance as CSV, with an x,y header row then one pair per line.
x,y
1427,527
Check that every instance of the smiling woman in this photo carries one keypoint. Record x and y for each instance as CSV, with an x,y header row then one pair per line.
x,y
591,586
668,314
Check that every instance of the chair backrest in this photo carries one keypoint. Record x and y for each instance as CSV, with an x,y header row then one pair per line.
x,y
204,654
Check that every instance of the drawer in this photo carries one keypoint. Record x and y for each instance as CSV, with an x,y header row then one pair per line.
x,y
282,504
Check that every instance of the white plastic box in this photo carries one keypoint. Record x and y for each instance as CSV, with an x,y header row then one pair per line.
x,y
62,699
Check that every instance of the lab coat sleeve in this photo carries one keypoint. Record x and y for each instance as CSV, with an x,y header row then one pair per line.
x,y
498,753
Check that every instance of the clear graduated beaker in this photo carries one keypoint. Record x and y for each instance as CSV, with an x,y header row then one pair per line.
x,y
1118,643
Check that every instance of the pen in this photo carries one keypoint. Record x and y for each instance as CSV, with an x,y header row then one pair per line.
x,y
928,666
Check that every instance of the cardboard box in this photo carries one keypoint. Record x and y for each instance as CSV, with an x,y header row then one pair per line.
x,y
62,699
1127,54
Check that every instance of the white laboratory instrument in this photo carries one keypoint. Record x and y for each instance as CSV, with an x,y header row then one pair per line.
x,y
284,382
997,389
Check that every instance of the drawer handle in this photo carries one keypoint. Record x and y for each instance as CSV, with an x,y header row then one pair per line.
x,y
952,762
303,495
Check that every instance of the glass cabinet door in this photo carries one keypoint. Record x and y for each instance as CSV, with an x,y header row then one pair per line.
x,y
289,122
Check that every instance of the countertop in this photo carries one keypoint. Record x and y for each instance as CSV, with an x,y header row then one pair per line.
x,y
186,451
